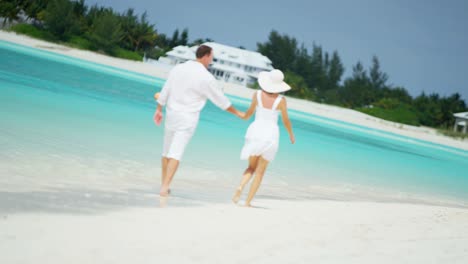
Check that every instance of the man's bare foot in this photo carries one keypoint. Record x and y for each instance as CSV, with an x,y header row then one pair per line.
x,y
237,195
162,201
248,205
164,192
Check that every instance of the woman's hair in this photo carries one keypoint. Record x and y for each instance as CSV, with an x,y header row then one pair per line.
x,y
202,51
267,92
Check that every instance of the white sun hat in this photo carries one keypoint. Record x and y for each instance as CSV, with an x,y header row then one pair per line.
x,y
272,81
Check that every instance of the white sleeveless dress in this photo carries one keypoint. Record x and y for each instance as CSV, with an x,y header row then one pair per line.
x,y
262,137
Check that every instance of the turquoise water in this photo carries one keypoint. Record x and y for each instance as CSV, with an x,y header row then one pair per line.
x,y
56,105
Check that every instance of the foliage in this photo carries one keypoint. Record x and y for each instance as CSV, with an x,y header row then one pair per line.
x,y
60,20
32,31
127,54
300,86
106,32
400,113
81,43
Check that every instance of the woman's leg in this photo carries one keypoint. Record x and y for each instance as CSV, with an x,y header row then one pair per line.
x,y
253,161
259,172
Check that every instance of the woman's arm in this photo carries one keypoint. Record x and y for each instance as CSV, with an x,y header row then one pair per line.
x,y
287,123
252,107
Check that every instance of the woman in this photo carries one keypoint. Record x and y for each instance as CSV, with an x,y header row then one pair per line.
x,y
262,137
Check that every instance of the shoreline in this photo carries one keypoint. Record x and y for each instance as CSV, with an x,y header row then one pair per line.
x,y
323,110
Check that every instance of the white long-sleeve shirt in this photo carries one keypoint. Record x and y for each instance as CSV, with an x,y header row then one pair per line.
x,y
187,88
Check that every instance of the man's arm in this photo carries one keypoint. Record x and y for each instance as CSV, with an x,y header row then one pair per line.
x,y
231,109
161,100
218,98
158,115
164,94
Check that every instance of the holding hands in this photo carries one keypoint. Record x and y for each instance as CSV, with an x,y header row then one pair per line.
x,y
241,115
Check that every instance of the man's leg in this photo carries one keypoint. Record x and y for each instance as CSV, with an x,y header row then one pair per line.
x,y
168,139
164,162
172,166
175,151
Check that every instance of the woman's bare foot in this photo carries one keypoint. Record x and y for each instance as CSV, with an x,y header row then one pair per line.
x,y
248,205
237,195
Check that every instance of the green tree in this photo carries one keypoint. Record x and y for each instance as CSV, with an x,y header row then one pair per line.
x,y
335,71
174,41
302,65
128,21
34,9
183,38
106,32
448,106
138,35
298,85
281,50
398,93
9,10
377,78
79,13
317,77
356,91
162,41
60,20
428,109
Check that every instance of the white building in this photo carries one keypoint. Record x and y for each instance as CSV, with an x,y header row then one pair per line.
x,y
230,64
461,121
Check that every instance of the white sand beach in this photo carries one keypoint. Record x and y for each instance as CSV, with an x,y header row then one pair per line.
x,y
66,219
279,232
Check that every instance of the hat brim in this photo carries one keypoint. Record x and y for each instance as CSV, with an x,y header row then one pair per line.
x,y
269,86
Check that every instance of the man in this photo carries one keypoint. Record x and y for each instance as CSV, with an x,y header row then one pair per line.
x,y
184,94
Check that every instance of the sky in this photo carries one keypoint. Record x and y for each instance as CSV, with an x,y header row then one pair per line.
x,y
421,44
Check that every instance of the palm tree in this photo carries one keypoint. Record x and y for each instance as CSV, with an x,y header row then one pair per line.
x,y
9,11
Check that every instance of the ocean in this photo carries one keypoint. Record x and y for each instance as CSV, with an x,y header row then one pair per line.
x,y
81,128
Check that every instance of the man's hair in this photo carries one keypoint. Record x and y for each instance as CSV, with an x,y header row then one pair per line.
x,y
202,51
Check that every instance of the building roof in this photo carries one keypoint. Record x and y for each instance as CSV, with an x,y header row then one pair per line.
x,y
241,56
463,115
183,52
225,53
